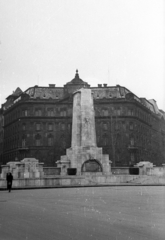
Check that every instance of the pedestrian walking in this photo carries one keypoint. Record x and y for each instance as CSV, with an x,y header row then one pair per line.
x,y
9,179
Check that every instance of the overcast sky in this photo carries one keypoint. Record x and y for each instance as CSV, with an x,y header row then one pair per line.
x,y
108,41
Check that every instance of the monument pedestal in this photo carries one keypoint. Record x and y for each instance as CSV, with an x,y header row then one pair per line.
x,y
85,159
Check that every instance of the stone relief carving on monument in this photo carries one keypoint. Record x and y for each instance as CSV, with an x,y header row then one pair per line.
x,y
87,121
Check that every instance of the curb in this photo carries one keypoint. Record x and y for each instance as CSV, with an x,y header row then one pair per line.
x,y
82,186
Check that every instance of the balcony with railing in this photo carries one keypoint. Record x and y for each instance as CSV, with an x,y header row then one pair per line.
x,y
23,146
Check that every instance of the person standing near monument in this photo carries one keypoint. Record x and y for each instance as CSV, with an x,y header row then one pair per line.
x,y
9,179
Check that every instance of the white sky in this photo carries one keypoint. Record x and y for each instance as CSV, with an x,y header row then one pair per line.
x,y
109,41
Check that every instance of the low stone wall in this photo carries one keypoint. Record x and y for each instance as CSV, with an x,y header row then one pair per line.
x,y
143,170
120,170
93,180
51,171
46,182
156,171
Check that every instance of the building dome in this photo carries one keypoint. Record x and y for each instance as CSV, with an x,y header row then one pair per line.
x,y
77,81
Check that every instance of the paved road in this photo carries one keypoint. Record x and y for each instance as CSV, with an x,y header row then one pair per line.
x,y
116,213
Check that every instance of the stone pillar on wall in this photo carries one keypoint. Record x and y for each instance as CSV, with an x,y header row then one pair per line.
x,y
26,168
144,167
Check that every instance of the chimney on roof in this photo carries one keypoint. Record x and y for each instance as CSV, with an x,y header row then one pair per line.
x,y
99,85
105,85
52,85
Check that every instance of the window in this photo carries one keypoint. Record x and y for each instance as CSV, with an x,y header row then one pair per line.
x,y
130,112
117,111
69,127
63,113
98,139
163,141
63,126
17,141
50,140
70,111
132,157
124,125
23,142
116,126
132,141
118,157
50,112
131,126
38,140
105,112
24,126
24,112
50,127
105,140
105,127
38,126
38,112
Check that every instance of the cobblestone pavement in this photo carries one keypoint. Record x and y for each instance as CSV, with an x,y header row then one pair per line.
x,y
101,213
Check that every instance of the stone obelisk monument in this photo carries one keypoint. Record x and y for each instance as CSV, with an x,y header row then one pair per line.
x,y
83,145
83,122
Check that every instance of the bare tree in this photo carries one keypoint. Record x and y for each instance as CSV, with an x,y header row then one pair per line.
x,y
115,132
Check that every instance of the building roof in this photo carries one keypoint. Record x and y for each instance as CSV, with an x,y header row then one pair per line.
x,y
100,92
77,81
45,92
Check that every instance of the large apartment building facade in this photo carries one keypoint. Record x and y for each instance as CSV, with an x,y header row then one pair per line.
x,y
38,123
